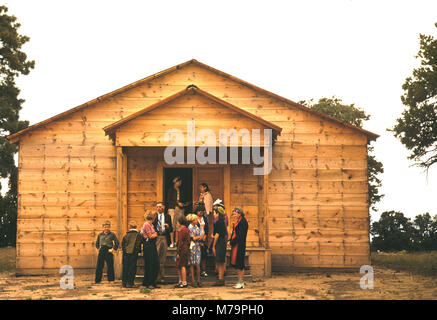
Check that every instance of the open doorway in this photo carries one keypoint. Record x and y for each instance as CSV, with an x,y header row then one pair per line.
x,y
187,185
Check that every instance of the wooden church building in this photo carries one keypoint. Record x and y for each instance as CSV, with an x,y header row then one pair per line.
x,y
104,160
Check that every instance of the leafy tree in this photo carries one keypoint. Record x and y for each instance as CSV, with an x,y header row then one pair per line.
x,y
13,63
425,232
417,128
353,115
393,232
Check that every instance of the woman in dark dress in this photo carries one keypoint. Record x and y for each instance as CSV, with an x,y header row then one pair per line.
x,y
238,245
183,252
219,244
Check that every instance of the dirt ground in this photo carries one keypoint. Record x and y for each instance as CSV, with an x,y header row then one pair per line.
x,y
388,284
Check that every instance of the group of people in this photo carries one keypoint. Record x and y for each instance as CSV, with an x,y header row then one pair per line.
x,y
196,236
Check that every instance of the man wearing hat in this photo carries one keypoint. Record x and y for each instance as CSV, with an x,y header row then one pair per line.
x,y
175,206
106,242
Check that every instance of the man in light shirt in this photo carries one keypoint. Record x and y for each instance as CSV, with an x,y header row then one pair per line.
x,y
164,228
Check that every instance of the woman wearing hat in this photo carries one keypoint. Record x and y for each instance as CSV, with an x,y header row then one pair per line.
x,y
238,244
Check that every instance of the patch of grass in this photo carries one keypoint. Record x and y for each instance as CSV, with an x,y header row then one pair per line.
x,y
46,297
144,290
328,275
7,259
107,295
423,263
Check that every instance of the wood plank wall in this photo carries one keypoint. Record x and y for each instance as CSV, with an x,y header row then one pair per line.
x,y
317,189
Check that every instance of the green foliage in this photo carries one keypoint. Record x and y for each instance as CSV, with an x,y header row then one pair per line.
x,y
13,62
353,115
335,108
425,233
392,232
395,232
417,128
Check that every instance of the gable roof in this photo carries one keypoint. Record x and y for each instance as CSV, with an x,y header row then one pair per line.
x,y
14,137
191,89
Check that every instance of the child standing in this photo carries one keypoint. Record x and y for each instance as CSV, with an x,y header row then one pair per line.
x,y
183,252
131,246
106,242
195,253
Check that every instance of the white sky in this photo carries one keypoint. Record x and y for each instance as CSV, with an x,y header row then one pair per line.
x,y
359,51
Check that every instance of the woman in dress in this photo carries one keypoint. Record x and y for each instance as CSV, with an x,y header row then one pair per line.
x,y
182,252
195,253
216,204
219,244
202,223
238,244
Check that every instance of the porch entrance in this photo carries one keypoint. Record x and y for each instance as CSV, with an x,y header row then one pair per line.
x,y
192,177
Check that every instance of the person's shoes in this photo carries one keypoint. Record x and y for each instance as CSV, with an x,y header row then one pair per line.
x,y
203,274
156,286
123,285
219,283
172,245
194,285
199,284
181,285
130,286
239,285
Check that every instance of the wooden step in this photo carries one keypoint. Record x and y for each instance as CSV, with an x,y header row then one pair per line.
x,y
171,272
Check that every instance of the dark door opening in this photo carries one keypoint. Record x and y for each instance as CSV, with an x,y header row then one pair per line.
x,y
187,185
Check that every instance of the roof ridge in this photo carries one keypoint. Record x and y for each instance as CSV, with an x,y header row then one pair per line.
x,y
14,137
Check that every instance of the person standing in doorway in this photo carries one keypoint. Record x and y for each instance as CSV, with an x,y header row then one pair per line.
x,y
175,207
164,228
206,198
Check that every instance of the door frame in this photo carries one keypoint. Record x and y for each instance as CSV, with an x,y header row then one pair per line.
x,y
160,178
